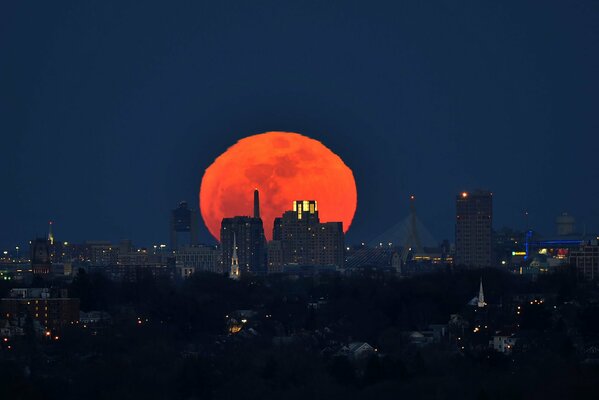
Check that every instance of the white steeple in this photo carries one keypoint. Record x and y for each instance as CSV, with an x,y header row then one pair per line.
x,y
50,234
234,271
481,295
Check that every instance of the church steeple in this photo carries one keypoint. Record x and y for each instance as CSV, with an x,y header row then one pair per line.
x,y
50,234
481,295
234,271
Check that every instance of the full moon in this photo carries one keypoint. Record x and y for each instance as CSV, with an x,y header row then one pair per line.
x,y
283,166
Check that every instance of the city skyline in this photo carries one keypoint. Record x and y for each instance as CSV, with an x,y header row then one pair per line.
x,y
552,224
414,102
299,199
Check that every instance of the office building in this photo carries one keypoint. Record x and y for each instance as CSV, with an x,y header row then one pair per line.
x,y
41,263
102,253
200,258
183,226
474,223
307,241
140,264
246,236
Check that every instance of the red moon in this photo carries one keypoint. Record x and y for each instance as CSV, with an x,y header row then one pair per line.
x,y
283,166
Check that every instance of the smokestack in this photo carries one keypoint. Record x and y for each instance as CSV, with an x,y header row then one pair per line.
x,y
256,204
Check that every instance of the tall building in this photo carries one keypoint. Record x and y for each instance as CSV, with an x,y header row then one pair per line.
x,y
41,263
307,241
184,226
246,234
474,223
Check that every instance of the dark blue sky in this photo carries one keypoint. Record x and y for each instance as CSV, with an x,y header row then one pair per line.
x,y
109,113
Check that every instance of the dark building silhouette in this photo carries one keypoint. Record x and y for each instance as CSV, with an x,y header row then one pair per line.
x,y
41,263
274,256
277,233
585,260
247,235
307,241
474,224
184,226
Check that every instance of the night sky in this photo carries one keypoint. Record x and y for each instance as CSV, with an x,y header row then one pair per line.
x,y
109,113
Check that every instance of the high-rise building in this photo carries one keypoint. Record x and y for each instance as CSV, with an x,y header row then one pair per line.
x,y
246,234
307,241
41,263
184,226
474,224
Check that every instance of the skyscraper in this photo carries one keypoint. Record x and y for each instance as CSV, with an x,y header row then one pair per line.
x,y
474,224
307,241
184,226
246,235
